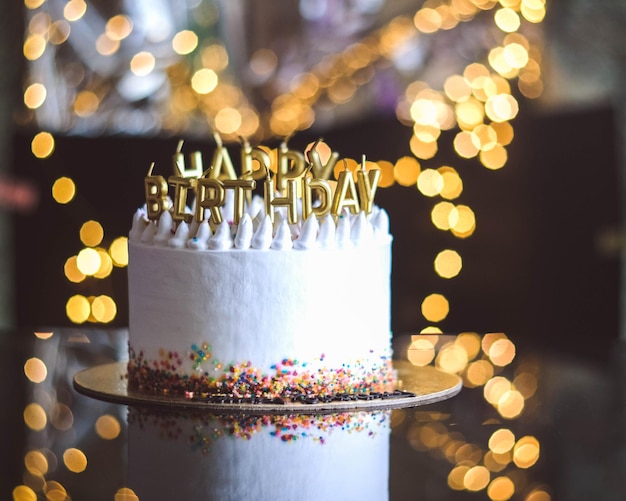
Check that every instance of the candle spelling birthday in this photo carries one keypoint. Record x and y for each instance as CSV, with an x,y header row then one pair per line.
x,y
295,179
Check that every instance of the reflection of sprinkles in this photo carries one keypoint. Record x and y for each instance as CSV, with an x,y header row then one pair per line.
x,y
205,430
290,380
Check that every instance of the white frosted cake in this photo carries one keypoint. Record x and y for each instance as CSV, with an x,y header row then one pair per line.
x,y
258,302
329,457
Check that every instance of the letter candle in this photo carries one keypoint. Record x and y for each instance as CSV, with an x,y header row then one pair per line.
x,y
156,193
299,181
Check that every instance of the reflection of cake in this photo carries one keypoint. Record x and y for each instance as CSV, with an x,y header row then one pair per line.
x,y
331,457
257,308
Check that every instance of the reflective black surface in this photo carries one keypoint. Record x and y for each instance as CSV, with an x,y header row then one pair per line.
x,y
558,433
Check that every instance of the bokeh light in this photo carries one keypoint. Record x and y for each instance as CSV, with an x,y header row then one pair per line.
x,y
63,190
75,460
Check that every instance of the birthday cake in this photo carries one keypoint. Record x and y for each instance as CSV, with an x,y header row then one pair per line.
x,y
278,296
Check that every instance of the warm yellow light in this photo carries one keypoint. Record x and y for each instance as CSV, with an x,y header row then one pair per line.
x,y
91,233
456,476
457,88
34,47
441,215
452,183
204,81
452,359
501,441
497,462
501,107
42,145
86,103
421,149
106,46
464,146
142,63
35,417
78,309
507,20
88,261
74,10
502,352
538,494
63,190
427,20
118,27
479,372
515,55
119,252
430,182
533,11
448,263
228,120
501,489
435,307
406,171
476,478
125,494
473,71
495,388
465,221
499,63
470,342
106,264
424,112
469,113
426,133
75,460
215,57
104,309
484,137
386,173
526,452
341,90
421,352
305,86
59,32
431,329
43,335
185,42
483,87
24,493
490,338
33,4
35,370
494,158
54,491
35,95
511,404
36,462
108,427
468,454
504,132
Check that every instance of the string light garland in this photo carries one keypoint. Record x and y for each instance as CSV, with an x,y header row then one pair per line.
x,y
169,72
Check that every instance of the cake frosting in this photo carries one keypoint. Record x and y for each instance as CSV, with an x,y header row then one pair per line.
x,y
257,302
304,457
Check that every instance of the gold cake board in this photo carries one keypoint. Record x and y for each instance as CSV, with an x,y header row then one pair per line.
x,y
423,385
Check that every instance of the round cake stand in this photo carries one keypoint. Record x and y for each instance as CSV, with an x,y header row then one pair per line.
x,y
416,385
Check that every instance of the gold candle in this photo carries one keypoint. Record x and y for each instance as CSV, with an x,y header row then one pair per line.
x,y
367,182
241,187
209,195
156,193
